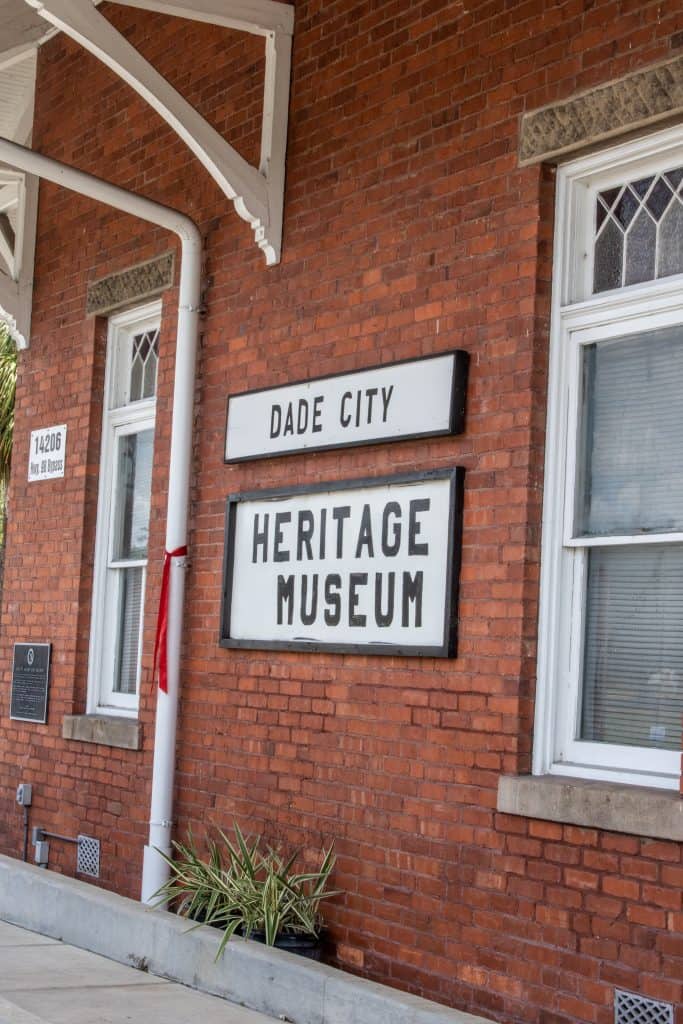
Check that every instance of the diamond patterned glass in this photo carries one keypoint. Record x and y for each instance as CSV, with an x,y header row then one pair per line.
x,y
638,234
144,362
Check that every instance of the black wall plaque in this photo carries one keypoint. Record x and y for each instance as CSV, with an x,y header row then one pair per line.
x,y
30,675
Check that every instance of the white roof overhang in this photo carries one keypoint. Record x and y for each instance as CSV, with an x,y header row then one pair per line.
x,y
21,28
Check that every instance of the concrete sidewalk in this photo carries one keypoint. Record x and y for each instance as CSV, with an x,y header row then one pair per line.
x,y
43,981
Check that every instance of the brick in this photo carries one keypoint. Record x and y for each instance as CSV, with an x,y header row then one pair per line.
x,y
621,887
409,229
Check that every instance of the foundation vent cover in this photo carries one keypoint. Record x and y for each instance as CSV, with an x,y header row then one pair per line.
x,y
630,1008
88,861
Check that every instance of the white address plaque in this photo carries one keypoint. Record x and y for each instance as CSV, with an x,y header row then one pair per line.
x,y
360,566
47,453
416,398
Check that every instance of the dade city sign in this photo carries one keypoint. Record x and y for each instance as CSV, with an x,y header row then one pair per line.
x,y
411,399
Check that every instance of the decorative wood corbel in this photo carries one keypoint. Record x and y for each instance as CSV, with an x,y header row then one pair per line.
x,y
257,193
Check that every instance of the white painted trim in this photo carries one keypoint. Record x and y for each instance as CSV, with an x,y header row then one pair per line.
x,y
638,538
579,318
552,599
664,296
260,17
115,421
13,195
16,291
27,251
606,773
274,139
257,194
7,253
18,53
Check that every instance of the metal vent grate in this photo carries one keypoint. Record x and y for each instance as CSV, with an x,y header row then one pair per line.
x,y
630,1008
88,860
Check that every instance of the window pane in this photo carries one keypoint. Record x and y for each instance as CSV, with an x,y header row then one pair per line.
x,y
609,257
671,246
144,361
633,654
640,250
132,494
644,216
630,472
128,638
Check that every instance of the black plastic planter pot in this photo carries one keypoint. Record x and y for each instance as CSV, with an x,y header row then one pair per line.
x,y
309,946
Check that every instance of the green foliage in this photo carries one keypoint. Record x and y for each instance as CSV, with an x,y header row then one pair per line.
x,y
8,380
241,887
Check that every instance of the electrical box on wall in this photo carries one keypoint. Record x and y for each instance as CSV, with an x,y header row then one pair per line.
x,y
24,794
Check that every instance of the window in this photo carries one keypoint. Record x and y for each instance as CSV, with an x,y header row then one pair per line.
x,y
610,672
123,511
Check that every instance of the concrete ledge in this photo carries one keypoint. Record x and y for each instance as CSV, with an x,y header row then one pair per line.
x,y
642,100
110,730
635,810
132,285
249,974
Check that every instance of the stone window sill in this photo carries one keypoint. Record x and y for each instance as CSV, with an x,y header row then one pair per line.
x,y
109,730
635,810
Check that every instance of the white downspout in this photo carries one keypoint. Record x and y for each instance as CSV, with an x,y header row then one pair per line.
x,y
155,870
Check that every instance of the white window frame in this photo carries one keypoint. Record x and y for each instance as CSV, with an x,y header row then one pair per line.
x,y
580,318
117,421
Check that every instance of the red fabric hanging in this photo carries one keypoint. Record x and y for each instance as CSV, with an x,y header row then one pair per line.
x,y
160,651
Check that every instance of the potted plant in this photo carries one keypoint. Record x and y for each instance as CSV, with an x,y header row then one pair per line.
x,y
254,892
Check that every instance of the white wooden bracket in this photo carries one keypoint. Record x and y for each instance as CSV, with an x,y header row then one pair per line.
x,y
18,207
257,193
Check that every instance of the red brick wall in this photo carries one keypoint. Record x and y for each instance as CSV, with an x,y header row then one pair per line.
x,y
409,229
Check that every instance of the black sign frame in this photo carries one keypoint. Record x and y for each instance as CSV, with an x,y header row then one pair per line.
x,y
27,649
447,649
456,423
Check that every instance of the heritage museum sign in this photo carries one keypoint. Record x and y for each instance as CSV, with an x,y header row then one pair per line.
x,y
416,398
365,566
30,675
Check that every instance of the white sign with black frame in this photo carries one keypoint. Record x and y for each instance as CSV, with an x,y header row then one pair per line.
x,y
359,566
411,399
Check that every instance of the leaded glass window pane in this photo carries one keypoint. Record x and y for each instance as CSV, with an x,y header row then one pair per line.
x,y
640,250
638,234
609,257
144,362
670,260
